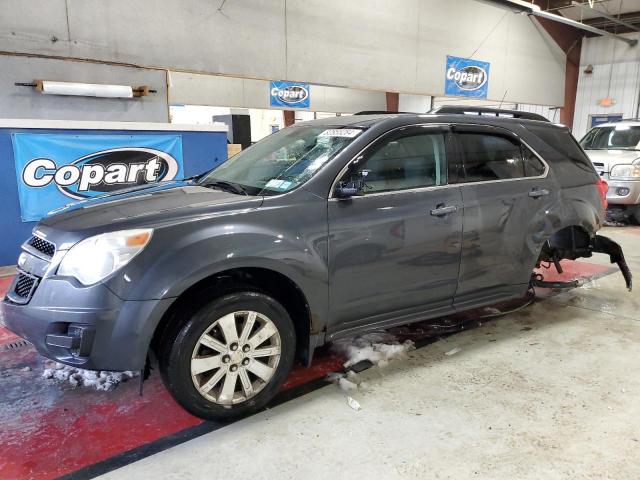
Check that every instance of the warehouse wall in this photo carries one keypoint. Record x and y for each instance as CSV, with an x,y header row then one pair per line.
x,y
24,102
367,44
414,103
616,73
197,89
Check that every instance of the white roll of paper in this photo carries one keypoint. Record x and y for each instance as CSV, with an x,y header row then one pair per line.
x,y
86,89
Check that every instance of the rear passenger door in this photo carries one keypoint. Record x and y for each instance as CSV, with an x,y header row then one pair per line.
x,y
506,192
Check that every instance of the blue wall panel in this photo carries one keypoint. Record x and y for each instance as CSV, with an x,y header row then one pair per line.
x,y
201,152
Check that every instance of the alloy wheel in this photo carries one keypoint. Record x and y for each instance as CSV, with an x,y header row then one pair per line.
x,y
236,357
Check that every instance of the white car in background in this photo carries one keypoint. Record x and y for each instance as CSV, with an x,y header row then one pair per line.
x,y
614,150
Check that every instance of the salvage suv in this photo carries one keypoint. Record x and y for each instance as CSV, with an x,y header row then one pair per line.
x,y
323,230
614,149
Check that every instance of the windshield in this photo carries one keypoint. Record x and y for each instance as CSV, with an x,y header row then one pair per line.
x,y
620,137
283,160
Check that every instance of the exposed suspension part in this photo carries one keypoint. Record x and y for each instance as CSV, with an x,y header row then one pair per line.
x,y
606,245
537,280
573,243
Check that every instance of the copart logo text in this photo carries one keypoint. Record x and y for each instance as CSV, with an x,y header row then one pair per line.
x,y
292,94
102,172
470,78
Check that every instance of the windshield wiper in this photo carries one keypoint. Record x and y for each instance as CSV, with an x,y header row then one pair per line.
x,y
226,186
194,177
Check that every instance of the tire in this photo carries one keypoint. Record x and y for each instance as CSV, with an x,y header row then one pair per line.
x,y
635,216
199,346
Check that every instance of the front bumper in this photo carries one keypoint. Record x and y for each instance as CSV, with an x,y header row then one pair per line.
x,y
623,192
87,327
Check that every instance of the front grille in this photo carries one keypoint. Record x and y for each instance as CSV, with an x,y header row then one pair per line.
x,y
23,287
43,246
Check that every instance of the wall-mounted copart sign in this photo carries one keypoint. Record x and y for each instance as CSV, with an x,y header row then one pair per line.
x,y
289,94
53,170
466,78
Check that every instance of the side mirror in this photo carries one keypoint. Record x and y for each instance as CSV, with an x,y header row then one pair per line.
x,y
354,186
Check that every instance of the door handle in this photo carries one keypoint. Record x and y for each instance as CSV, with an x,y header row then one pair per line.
x,y
442,210
538,192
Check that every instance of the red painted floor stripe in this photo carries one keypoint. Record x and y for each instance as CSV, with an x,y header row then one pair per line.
x,y
48,432
575,270
632,231
5,335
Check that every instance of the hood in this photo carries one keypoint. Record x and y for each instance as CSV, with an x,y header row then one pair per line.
x,y
147,206
604,160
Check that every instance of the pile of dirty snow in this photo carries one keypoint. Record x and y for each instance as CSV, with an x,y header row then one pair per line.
x,y
347,381
77,377
378,348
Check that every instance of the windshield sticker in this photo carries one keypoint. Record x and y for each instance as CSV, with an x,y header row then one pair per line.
x,y
276,184
341,132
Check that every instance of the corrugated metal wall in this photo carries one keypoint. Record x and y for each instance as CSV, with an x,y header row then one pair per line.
x,y
616,73
551,113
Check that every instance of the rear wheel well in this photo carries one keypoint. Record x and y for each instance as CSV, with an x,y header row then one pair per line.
x,y
278,286
568,243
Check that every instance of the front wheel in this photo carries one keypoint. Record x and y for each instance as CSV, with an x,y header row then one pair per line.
x,y
230,357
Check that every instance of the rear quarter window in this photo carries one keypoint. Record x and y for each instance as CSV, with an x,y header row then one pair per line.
x,y
562,142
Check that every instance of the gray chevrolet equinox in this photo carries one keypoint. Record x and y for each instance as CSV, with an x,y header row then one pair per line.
x,y
323,230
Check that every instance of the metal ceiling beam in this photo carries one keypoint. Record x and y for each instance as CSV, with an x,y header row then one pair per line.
x,y
583,26
557,5
534,10
604,15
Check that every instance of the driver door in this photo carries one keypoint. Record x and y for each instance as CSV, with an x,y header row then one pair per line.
x,y
395,250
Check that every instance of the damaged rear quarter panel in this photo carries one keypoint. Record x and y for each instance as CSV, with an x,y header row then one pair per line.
x,y
576,201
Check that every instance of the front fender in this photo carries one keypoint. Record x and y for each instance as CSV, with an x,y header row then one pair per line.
x,y
181,255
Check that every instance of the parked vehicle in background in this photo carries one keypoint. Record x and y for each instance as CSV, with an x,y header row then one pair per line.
x,y
323,230
614,149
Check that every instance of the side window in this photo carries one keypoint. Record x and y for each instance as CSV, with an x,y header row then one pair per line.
x,y
490,157
561,141
406,161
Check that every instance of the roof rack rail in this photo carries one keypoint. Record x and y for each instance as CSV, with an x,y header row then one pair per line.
x,y
497,112
377,112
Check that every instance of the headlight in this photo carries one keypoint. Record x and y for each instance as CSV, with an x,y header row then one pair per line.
x,y
625,172
95,258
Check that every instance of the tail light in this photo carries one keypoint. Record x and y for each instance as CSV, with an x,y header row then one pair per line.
x,y
603,188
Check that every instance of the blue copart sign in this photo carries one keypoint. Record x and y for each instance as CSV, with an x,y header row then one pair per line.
x,y
56,169
289,94
466,78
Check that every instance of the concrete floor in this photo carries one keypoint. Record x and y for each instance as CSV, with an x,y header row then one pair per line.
x,y
549,392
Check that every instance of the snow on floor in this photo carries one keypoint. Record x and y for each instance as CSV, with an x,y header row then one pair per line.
x,y
377,348
347,381
77,377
